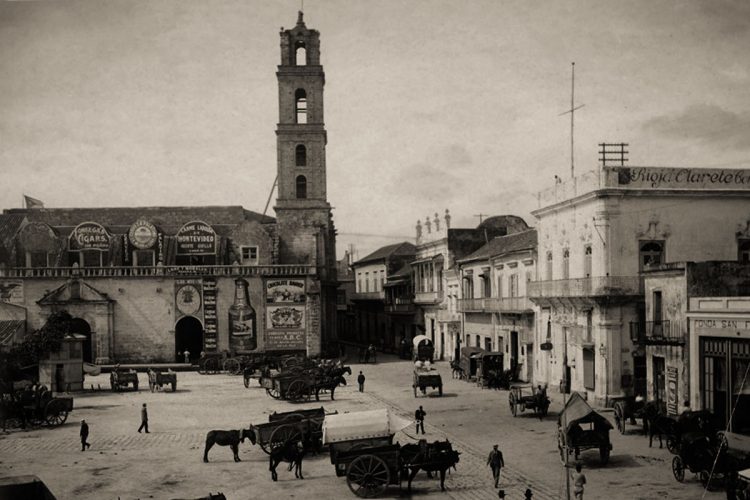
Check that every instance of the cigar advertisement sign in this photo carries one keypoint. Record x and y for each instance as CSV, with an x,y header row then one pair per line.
x,y
89,236
285,291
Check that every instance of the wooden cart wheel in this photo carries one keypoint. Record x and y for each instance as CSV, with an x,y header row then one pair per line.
x,y
604,454
232,366
620,418
274,393
283,434
297,390
368,476
678,469
56,412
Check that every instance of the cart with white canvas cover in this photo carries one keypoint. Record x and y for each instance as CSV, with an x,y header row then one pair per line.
x,y
362,449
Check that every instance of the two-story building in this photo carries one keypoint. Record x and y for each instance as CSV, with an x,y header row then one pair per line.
x,y
438,247
370,275
496,313
596,234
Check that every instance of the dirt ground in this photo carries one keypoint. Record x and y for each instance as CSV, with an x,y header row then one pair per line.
x,y
167,462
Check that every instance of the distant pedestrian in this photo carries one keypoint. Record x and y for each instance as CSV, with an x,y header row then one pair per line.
x,y
528,495
496,463
579,479
144,419
361,381
187,356
419,419
84,435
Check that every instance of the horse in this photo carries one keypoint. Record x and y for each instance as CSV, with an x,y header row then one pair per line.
x,y
658,424
457,371
228,438
292,452
438,456
328,384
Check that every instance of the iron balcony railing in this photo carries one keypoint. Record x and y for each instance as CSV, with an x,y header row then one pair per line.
x,y
496,304
369,296
400,307
587,287
157,271
428,297
662,332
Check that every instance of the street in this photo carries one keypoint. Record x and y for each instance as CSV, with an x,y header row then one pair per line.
x,y
167,463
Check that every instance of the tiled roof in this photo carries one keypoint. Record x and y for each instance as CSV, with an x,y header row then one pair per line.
x,y
502,245
399,249
119,219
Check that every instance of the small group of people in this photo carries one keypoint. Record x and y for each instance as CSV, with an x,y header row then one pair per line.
x,y
85,428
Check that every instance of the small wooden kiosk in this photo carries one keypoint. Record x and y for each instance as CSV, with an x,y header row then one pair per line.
x,y
63,370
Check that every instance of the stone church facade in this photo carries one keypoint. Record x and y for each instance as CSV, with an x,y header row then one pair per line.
x,y
145,284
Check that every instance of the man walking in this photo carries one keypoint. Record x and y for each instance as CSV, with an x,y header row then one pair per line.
x,y
361,381
495,461
419,419
144,419
84,435
579,479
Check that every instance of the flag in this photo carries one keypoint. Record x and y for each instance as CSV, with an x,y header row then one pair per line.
x,y
32,202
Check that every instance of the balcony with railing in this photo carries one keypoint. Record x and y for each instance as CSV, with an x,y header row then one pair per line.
x,y
157,271
369,295
496,304
428,297
400,305
662,332
599,286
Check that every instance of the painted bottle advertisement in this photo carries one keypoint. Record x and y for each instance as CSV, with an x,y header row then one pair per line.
x,y
243,334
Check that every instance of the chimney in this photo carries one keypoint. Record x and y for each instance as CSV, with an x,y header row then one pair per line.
x,y
437,223
447,219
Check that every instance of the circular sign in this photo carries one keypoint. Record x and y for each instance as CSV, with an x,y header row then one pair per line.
x,y
188,300
142,234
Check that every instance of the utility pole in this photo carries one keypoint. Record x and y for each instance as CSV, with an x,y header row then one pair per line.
x,y
481,216
572,111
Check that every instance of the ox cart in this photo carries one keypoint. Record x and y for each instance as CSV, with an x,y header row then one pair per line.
x,y
158,378
572,438
120,379
427,377
522,397
361,448
34,405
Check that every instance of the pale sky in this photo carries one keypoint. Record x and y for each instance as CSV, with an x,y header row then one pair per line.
x,y
428,104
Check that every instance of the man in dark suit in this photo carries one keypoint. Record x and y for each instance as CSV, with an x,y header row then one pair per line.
x,y
84,435
144,419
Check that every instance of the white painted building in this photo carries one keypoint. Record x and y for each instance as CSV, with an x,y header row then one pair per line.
x,y
596,232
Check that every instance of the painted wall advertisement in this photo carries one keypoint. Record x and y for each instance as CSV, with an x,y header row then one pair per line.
x,y
209,314
188,297
89,236
672,390
11,291
196,238
285,314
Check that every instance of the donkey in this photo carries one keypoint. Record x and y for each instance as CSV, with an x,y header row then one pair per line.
x,y
228,438
292,452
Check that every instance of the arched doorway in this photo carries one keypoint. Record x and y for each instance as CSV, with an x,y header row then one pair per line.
x,y
188,336
81,327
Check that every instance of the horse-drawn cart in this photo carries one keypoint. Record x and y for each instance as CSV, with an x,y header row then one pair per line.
x,y
120,379
424,349
717,457
303,425
34,405
295,385
362,449
427,377
523,397
158,378
572,438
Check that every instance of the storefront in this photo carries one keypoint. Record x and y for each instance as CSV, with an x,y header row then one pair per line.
x,y
722,341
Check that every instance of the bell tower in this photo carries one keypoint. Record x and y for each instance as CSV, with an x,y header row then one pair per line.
x,y
300,134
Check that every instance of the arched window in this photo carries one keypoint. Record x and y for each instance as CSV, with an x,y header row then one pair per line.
x,y
301,187
300,54
300,105
651,253
300,155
